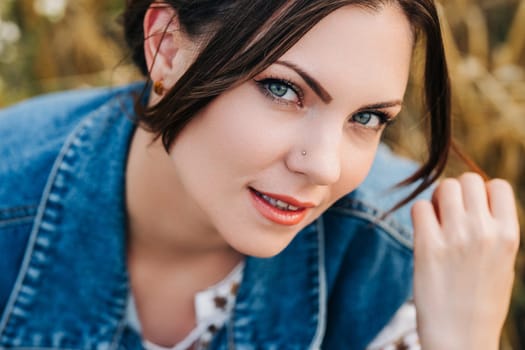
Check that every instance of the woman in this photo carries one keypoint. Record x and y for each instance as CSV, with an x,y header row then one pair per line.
x,y
235,212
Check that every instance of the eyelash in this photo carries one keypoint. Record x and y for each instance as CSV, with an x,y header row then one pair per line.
x,y
264,83
385,118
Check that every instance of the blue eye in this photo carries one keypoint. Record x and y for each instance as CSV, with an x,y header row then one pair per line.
x,y
281,91
372,120
278,89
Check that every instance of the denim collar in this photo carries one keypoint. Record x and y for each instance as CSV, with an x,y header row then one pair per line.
x,y
77,240
79,237
298,321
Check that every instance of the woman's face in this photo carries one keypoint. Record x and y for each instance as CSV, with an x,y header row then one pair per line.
x,y
268,157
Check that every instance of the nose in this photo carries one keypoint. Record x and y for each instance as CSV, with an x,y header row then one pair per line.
x,y
317,155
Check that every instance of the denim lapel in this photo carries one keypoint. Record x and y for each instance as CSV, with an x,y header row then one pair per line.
x,y
72,288
281,302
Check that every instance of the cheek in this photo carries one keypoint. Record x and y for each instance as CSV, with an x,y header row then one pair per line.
x,y
233,134
355,166
241,127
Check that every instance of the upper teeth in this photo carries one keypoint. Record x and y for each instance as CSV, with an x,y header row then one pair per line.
x,y
278,203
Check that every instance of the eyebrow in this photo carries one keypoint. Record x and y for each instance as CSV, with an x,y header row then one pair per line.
x,y
325,96
312,83
381,105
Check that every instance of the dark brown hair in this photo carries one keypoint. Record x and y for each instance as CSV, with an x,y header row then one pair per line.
x,y
240,41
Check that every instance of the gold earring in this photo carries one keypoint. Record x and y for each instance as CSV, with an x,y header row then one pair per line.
x,y
158,87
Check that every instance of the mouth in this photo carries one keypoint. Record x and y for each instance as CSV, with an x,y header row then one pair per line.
x,y
279,209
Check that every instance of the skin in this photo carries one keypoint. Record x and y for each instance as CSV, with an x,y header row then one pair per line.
x,y
465,246
191,214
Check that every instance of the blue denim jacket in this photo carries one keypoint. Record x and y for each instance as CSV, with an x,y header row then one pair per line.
x,y
64,282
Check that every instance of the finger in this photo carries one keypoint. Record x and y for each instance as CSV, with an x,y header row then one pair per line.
x,y
503,208
474,193
448,201
425,221
501,200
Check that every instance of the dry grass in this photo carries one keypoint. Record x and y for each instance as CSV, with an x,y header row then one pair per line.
x,y
489,82
488,79
82,49
485,41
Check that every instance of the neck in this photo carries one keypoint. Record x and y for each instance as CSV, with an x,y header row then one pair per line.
x,y
161,218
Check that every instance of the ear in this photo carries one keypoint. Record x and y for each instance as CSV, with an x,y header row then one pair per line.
x,y
162,40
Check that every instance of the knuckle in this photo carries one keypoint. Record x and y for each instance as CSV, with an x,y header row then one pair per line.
x,y
471,177
511,245
500,185
510,240
488,235
484,233
474,235
457,235
431,249
447,186
421,206
486,240
459,240
449,182
478,238
439,251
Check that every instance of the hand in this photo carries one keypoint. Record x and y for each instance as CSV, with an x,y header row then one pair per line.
x,y
465,245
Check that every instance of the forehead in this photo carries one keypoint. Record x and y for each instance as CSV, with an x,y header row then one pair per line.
x,y
356,47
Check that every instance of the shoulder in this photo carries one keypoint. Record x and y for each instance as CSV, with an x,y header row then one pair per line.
x,y
32,134
32,137
367,255
34,121
378,194
360,226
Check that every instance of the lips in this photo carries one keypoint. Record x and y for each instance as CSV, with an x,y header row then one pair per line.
x,y
280,209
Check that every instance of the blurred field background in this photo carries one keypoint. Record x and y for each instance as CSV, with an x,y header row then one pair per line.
x,y
50,45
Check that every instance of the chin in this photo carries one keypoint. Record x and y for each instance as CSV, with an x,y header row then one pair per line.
x,y
259,249
264,254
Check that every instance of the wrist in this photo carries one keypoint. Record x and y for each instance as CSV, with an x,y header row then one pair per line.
x,y
451,344
459,339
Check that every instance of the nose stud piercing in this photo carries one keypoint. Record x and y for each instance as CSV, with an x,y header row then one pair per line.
x,y
158,87
303,153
